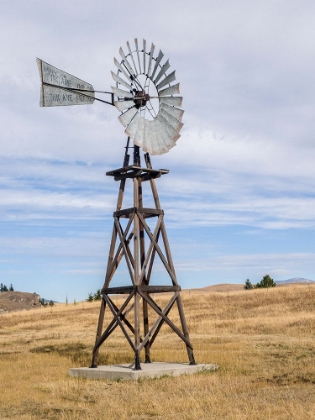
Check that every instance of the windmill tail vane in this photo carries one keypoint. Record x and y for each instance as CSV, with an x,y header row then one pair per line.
x,y
59,88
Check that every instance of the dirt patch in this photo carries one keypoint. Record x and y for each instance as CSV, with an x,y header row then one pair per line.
x,y
18,301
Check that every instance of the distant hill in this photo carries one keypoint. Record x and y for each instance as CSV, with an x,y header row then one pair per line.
x,y
295,280
231,287
223,287
17,301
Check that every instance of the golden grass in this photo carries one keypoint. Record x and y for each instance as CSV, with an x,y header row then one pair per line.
x,y
263,341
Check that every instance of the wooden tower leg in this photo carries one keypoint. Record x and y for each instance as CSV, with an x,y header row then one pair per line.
x,y
189,349
109,274
137,202
179,302
144,281
137,331
96,349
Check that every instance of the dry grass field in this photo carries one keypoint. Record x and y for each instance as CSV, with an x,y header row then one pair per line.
x,y
263,341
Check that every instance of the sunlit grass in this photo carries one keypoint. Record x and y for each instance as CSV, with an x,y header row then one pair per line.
x,y
263,341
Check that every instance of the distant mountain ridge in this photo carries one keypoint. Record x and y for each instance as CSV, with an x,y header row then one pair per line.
x,y
295,280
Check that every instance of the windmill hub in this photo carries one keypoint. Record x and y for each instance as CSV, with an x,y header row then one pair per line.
x,y
141,98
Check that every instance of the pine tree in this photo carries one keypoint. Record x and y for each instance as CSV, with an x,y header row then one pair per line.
x,y
97,295
90,297
266,282
248,285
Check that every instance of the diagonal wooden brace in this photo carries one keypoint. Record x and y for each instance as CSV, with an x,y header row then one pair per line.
x,y
158,323
158,250
113,324
117,318
166,319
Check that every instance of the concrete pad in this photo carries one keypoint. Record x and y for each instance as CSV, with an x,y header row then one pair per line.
x,y
148,370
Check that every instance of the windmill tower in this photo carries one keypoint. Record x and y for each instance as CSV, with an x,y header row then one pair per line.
x,y
151,113
140,261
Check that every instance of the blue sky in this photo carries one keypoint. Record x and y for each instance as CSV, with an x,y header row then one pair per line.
x,y
239,200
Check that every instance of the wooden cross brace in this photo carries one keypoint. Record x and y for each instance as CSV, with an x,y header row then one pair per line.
x,y
120,319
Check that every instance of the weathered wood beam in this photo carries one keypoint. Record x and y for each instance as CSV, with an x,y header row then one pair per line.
x,y
153,254
121,237
130,169
131,174
123,316
166,319
114,261
185,330
98,333
124,290
118,257
158,249
158,323
146,212
117,318
149,177
152,183
111,326
168,252
149,251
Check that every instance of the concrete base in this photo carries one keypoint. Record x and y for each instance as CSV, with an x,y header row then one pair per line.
x,y
148,370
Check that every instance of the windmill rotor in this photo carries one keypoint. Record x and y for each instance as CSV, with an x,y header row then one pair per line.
x,y
153,126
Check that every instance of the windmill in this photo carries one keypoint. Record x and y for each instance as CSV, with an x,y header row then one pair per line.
x,y
150,111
